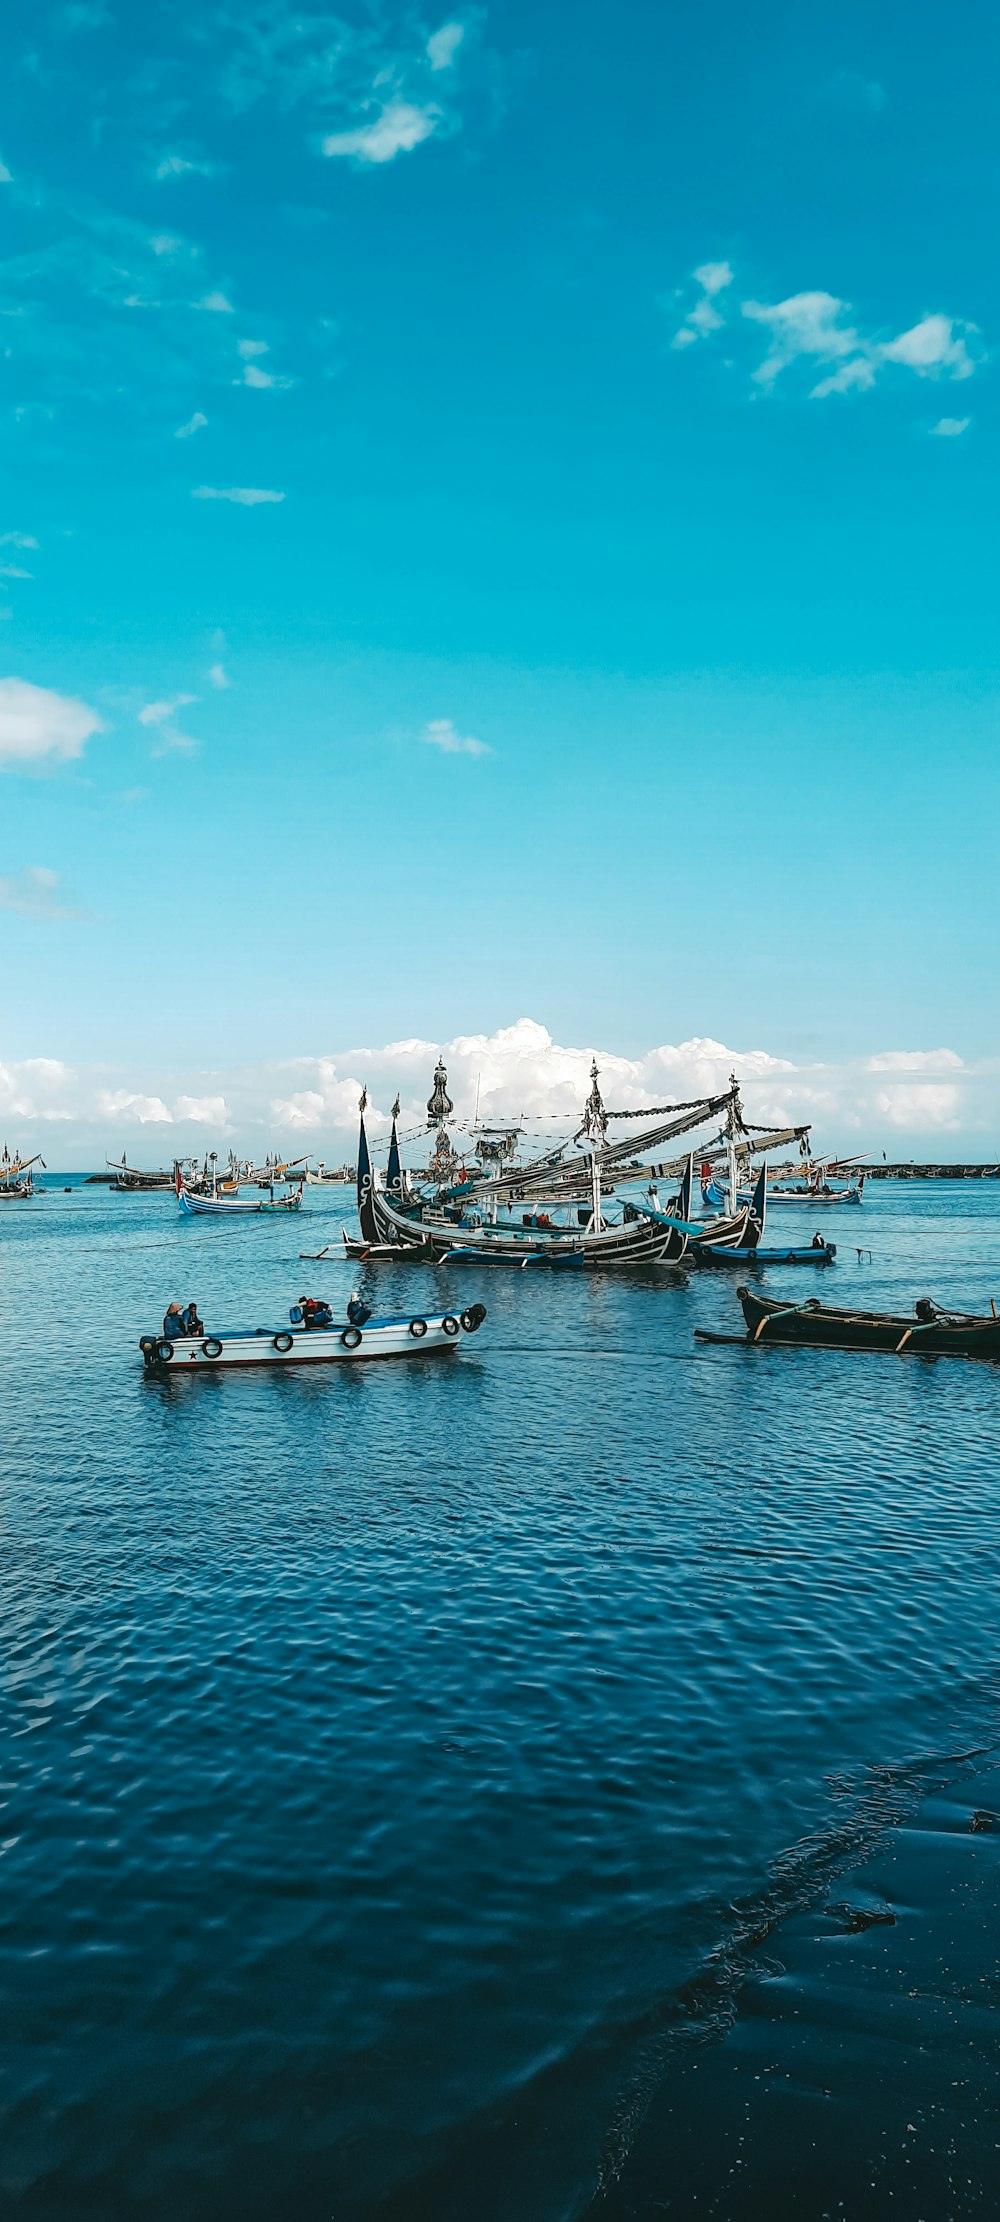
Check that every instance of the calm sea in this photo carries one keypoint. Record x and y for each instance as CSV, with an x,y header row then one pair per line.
x,y
477,1790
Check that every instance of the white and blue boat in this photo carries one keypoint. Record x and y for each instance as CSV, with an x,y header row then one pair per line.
x,y
412,1335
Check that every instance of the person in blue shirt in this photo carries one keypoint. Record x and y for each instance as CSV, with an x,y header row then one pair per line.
x,y
192,1324
173,1322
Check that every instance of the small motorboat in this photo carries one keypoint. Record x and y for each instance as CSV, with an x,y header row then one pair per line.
x,y
361,1337
929,1331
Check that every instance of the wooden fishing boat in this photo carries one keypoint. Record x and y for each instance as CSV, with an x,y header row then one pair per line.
x,y
411,1336
16,1178
216,1205
813,1253
930,1331
127,1180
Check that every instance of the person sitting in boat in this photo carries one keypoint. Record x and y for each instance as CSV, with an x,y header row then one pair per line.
x,y
357,1311
173,1322
192,1324
818,1242
315,1313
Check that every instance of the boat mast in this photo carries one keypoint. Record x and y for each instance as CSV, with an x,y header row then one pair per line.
x,y
593,1134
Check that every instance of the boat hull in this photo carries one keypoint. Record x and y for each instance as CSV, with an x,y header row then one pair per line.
x,y
248,1346
708,1253
815,1325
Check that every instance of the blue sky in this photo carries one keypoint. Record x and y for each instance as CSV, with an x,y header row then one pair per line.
x,y
616,641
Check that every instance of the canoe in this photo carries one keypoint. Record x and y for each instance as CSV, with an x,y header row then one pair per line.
x,y
929,1331
817,1253
408,1337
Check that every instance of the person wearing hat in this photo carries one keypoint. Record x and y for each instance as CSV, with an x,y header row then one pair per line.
x,y
173,1321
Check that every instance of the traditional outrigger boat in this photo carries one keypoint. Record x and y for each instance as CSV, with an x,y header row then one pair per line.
x,y
214,1204
931,1332
127,1180
16,1178
460,1222
405,1337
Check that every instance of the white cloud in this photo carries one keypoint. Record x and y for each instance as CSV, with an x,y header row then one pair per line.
x,y
219,676
14,571
157,713
919,1108
248,497
441,733
216,303
712,278
443,45
915,1060
194,424
950,428
400,127
251,346
36,893
39,727
519,1069
208,1110
817,329
119,1103
816,326
5,176
17,540
183,165
253,375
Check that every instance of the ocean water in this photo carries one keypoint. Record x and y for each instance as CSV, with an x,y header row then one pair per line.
x,y
428,1789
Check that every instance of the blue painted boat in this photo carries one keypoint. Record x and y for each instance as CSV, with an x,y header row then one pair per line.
x,y
818,1253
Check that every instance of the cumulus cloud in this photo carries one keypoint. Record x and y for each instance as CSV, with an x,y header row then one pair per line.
x,y
194,424
36,893
441,733
950,428
39,728
443,45
517,1071
399,128
248,497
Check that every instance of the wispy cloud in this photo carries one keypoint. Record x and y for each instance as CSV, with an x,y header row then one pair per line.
x,y
818,331
219,676
14,571
397,130
442,733
161,716
37,893
950,428
5,175
443,45
17,540
194,424
40,728
183,165
248,497
157,713
704,315
856,95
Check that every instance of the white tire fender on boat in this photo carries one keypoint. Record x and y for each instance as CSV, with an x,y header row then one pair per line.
x,y
164,1351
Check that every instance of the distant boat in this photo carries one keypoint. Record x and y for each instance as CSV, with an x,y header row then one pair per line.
x,y
126,1179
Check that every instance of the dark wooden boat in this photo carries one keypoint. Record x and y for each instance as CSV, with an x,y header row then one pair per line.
x,y
930,1331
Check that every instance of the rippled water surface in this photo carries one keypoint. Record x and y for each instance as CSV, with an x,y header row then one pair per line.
x,y
404,1767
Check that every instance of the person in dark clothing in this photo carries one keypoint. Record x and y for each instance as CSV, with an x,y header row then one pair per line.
x,y
358,1312
192,1324
173,1321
